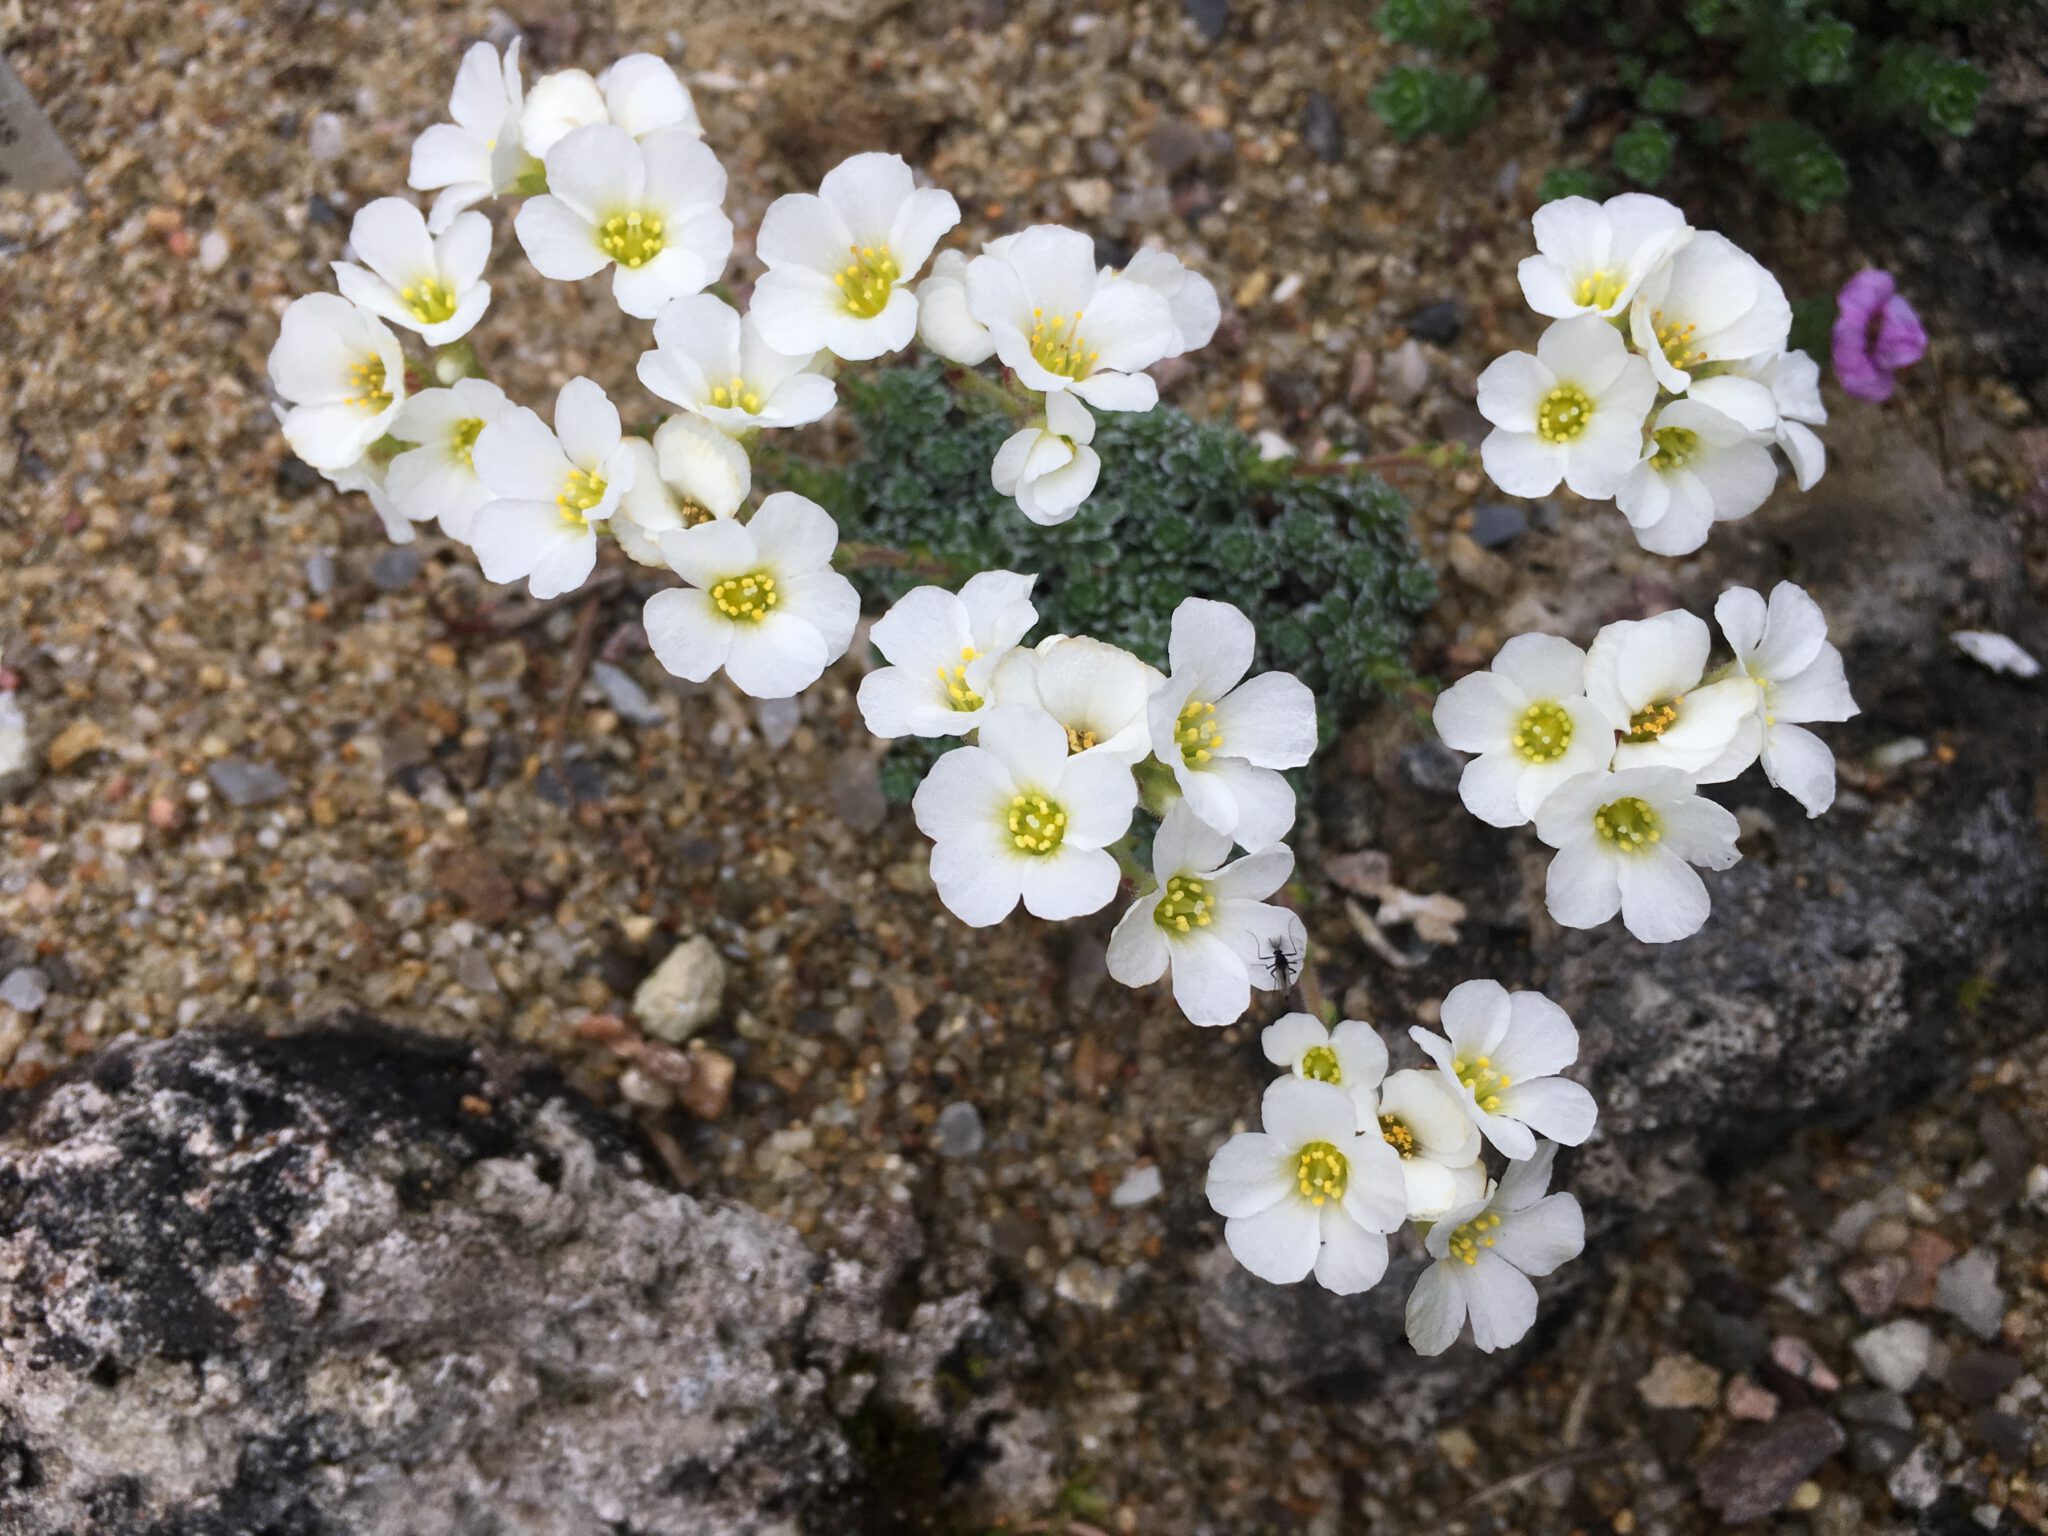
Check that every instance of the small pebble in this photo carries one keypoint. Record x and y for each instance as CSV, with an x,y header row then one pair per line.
x,y
684,993
326,139
394,568
241,782
213,251
25,988
1967,1290
1895,1355
624,694
1138,1186
957,1132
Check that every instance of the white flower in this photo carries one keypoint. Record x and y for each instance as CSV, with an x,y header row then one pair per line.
x,y
1351,1056
1793,379
342,371
548,488
479,154
1485,1251
371,477
1627,841
943,650
1060,324
840,260
1098,691
640,94
1594,256
1190,297
690,474
1645,675
1501,1062
710,360
763,601
1050,470
432,284
943,322
1226,739
647,208
1703,468
1784,649
1207,921
1530,722
1573,412
1311,1192
438,478
1015,817
1712,302
1438,1145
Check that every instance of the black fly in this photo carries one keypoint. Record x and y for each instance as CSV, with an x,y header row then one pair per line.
x,y
1283,964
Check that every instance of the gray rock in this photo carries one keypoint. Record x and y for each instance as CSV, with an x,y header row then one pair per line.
x,y
1321,130
241,782
683,993
1916,1484
1754,1471
624,694
1138,1187
17,757
25,988
327,138
1967,1290
957,1132
393,569
1209,16
320,574
1495,523
1895,1356
777,720
399,1282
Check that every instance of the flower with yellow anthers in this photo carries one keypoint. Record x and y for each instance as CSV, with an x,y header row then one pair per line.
x,y
342,374
1062,325
1648,676
1438,1145
944,650
437,477
1703,468
1096,690
841,260
1350,1055
640,94
763,601
1014,818
1313,1192
1592,257
690,474
1712,302
1500,1064
1485,1250
1627,842
1226,737
478,155
1573,411
1207,921
1050,469
1530,722
711,360
432,284
1793,380
551,490
1783,648
649,209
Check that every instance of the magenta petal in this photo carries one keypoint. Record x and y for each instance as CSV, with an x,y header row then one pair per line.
x,y
1863,296
1901,338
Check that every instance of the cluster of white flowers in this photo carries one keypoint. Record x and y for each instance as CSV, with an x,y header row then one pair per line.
x,y
614,177
1664,379
1348,1154
1605,750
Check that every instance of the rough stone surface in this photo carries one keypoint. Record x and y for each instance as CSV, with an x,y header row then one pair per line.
x,y
683,993
1757,1470
1895,1355
359,1280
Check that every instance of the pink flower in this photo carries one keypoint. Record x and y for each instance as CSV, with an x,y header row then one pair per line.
x,y
1876,333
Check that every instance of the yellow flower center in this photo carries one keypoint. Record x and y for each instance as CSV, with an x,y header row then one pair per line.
x,y
1473,1236
1481,1078
692,513
866,282
1395,1133
1629,825
1564,414
1675,448
1037,826
1320,1173
1675,337
1598,290
1651,721
954,681
372,393
631,239
1200,737
464,441
1057,346
736,393
745,599
1079,739
1185,906
1544,733
580,492
430,300
1319,1063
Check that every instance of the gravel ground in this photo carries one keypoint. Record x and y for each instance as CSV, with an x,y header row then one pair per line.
x,y
280,764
